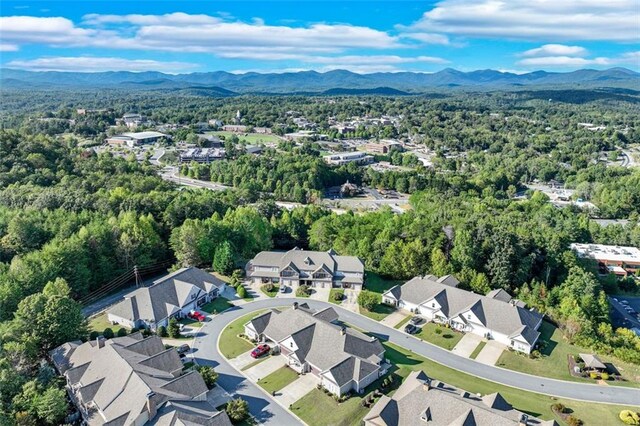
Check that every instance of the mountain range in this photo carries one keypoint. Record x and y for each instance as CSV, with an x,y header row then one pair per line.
x,y
221,83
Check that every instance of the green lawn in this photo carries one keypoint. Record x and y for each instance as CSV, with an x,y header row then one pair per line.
x,y
190,322
218,305
100,322
319,409
536,404
256,362
477,350
278,379
332,294
402,323
271,293
252,138
553,362
447,339
230,344
378,313
378,284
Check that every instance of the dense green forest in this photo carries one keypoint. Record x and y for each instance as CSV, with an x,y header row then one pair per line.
x,y
71,220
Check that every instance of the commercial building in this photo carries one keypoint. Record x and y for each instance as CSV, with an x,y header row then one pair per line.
x,y
301,267
496,316
349,157
617,260
201,155
383,147
341,358
135,138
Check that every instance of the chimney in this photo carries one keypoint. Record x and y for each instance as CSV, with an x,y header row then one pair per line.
x,y
100,341
151,405
295,305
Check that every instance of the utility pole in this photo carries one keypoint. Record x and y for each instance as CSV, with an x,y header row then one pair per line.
x,y
136,273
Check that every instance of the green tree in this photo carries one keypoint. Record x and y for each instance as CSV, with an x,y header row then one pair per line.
x,y
223,260
237,410
208,374
162,331
368,299
439,264
242,293
52,406
173,329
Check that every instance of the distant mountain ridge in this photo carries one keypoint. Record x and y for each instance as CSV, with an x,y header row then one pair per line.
x,y
331,82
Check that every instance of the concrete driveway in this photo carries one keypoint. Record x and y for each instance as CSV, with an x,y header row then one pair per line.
x,y
491,352
319,293
467,345
296,390
350,301
265,368
394,318
242,360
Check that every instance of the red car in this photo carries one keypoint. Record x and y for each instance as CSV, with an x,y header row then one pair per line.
x,y
198,316
259,351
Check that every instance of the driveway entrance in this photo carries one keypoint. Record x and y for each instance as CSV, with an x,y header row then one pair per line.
x,y
467,345
490,353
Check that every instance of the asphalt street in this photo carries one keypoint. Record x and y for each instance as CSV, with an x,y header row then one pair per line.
x,y
267,411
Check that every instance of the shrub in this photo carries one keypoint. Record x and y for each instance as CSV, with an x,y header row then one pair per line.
x,y
303,291
242,293
146,332
604,376
438,330
269,287
368,299
558,408
93,335
338,295
174,329
593,375
107,333
121,332
573,421
629,417
237,410
535,354
208,374
162,331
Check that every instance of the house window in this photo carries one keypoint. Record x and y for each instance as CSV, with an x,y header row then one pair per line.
x,y
468,316
291,344
513,343
433,305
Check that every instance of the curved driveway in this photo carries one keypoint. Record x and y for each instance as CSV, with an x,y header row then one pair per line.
x,y
264,408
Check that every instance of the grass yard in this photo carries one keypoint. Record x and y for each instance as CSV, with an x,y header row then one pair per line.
x,y
217,305
447,339
553,362
402,323
273,291
252,138
230,344
477,350
533,403
332,294
278,379
256,362
190,322
378,284
100,322
319,409
378,313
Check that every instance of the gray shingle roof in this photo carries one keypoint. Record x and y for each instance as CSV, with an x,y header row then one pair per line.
x,y
117,376
165,295
443,405
494,313
306,262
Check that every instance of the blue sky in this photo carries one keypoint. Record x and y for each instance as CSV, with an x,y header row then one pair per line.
x,y
268,36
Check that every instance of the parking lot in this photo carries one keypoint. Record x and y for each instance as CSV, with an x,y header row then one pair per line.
x,y
625,312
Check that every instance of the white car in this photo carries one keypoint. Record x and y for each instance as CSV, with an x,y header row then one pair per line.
x,y
283,288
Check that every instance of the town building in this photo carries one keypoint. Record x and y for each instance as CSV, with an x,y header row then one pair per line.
x,y
201,155
172,296
421,400
383,147
348,157
136,138
342,359
133,380
262,130
618,260
301,267
496,316
132,120
235,128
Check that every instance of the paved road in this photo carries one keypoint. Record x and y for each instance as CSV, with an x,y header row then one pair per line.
x,y
171,174
265,409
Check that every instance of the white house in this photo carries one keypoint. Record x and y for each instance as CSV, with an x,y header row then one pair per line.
x,y
496,316
341,358
172,296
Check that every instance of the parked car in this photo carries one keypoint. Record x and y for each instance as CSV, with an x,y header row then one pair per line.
x,y
416,320
260,350
624,302
410,329
198,316
283,288
183,349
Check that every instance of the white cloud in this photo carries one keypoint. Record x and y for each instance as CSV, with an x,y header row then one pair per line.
x,y
428,38
177,18
555,50
375,60
568,61
94,64
7,47
57,31
554,20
